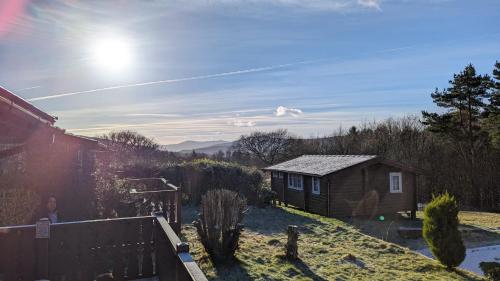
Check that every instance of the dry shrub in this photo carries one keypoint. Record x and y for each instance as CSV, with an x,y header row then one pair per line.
x,y
219,223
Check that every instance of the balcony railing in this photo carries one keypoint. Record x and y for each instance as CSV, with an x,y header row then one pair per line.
x,y
129,248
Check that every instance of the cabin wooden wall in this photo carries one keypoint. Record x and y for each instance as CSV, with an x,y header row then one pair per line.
x,y
316,203
277,185
54,164
355,192
62,168
389,203
294,197
345,191
285,194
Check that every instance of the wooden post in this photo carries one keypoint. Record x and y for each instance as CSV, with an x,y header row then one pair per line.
x,y
328,199
413,214
304,192
292,252
178,210
285,187
42,236
365,179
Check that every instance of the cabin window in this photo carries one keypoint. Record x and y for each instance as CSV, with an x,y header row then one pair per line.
x,y
277,175
316,187
295,182
396,182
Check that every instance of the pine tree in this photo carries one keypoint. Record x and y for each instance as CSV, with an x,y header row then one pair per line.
x,y
440,230
465,100
492,114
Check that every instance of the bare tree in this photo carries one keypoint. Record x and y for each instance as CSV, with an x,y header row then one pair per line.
x,y
129,140
268,147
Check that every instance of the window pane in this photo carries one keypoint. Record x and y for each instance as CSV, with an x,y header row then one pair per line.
x,y
395,182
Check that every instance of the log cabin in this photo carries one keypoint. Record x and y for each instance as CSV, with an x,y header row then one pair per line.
x,y
346,185
38,156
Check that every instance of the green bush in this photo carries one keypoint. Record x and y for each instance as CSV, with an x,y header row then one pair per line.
x,y
440,230
265,195
219,223
491,270
199,176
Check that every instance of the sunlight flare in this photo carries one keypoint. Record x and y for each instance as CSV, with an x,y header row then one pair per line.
x,y
112,54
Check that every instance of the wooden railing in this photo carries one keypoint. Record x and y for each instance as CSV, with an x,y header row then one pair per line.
x,y
158,196
129,248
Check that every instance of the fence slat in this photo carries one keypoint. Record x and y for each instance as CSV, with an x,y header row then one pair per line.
x,y
147,237
131,248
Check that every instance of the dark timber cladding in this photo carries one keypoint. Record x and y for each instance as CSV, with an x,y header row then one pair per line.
x,y
345,185
53,162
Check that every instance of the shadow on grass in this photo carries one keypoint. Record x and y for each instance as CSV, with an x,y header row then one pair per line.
x,y
233,270
387,230
271,220
306,271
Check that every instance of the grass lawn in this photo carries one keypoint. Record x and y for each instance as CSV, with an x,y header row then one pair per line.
x,y
488,221
478,229
323,246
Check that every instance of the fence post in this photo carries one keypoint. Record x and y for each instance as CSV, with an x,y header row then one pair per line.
x,y
42,236
180,272
292,252
178,210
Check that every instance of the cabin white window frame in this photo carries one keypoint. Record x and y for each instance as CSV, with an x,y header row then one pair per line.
x,y
274,174
295,182
316,185
396,186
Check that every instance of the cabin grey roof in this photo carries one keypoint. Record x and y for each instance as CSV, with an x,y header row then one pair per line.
x,y
320,165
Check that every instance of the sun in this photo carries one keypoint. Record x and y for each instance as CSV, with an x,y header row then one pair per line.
x,y
113,54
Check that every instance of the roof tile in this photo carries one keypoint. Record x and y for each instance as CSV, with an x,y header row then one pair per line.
x,y
320,165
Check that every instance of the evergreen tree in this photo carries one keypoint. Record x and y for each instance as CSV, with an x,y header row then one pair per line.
x,y
440,230
465,100
492,122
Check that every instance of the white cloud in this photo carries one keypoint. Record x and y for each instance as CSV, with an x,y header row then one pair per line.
x,y
283,111
374,4
241,123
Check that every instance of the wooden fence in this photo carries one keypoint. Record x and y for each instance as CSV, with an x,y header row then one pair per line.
x,y
130,248
157,195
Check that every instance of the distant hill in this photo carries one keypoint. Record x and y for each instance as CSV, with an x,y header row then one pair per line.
x,y
195,145
212,149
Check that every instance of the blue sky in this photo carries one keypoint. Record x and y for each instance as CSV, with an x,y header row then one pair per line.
x,y
216,69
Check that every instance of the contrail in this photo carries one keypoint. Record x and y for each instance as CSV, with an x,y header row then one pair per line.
x,y
26,89
223,74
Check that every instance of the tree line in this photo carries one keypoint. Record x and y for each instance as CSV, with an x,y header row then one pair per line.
x,y
457,147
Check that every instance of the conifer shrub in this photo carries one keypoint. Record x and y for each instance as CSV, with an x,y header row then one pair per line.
x,y
219,224
440,230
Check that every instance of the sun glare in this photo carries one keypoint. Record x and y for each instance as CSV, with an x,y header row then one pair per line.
x,y
114,54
